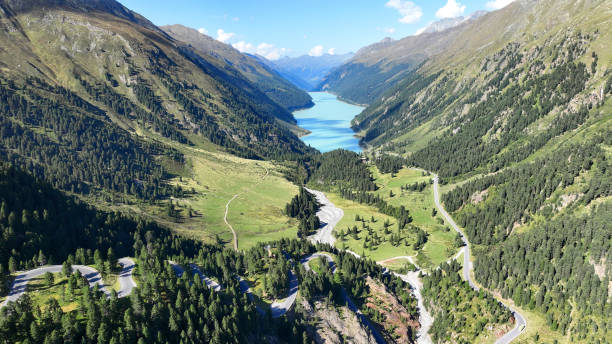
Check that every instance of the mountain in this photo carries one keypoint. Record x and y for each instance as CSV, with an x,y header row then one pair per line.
x,y
267,80
93,95
307,71
483,55
378,67
447,23
514,114
382,65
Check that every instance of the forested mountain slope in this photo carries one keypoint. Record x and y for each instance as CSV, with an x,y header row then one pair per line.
x,y
170,308
380,66
518,122
90,89
553,56
267,80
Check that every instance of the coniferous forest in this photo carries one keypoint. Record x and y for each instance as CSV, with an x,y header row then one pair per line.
x,y
156,185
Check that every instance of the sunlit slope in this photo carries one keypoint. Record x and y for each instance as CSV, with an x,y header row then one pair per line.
x,y
120,64
265,79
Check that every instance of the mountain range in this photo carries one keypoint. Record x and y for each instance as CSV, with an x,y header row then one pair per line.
x,y
307,71
489,134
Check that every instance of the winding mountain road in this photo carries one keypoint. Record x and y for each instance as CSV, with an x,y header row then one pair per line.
x,y
278,307
126,279
412,278
329,216
521,323
212,284
19,285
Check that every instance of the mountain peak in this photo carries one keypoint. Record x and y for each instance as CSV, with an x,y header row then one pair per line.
x,y
448,23
111,7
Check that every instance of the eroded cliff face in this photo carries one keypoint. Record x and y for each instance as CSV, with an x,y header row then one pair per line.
x,y
331,324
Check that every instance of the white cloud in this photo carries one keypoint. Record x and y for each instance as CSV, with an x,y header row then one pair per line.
x,y
452,9
202,31
267,50
223,36
331,51
410,12
497,4
244,47
317,50
236,19
420,31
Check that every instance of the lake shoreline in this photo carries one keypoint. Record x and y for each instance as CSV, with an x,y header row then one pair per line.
x,y
329,123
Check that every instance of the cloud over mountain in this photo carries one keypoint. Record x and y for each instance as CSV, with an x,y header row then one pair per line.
x,y
223,36
452,9
498,4
410,12
317,50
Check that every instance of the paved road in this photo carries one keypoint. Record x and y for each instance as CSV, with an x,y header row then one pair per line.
x,y
179,271
280,307
412,278
467,264
329,215
349,302
516,331
212,284
19,285
126,280
467,267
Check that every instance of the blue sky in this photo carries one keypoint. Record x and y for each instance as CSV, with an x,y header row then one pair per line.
x,y
275,28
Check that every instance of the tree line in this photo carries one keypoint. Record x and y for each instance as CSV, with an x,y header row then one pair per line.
x,y
304,207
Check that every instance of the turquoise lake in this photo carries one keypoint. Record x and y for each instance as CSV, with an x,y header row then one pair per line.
x,y
329,120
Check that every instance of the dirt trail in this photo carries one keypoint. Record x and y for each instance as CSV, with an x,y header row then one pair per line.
x,y
235,240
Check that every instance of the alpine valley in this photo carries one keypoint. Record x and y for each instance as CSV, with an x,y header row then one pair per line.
x,y
156,187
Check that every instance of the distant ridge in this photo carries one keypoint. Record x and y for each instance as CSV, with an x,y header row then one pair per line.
x,y
256,71
308,71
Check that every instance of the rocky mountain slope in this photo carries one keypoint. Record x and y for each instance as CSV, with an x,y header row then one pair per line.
x,y
267,80
447,23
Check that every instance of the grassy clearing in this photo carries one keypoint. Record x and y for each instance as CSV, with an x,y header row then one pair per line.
x,y
211,178
379,252
318,264
418,137
439,246
40,292
399,265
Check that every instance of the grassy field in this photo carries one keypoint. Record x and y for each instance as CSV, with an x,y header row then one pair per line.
x,y
210,179
439,246
379,252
